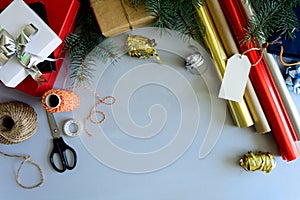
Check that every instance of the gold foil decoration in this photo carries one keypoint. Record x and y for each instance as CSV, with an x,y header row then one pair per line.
x,y
262,161
10,46
141,47
260,121
239,110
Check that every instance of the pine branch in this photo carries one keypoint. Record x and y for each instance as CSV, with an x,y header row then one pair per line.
x,y
179,15
81,43
263,24
70,42
81,71
87,42
186,21
289,22
106,50
78,51
137,2
163,11
83,59
272,17
192,2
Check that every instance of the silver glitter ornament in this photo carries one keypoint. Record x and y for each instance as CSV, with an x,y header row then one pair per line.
x,y
193,63
194,60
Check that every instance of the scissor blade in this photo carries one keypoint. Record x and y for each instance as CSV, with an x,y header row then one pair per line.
x,y
53,126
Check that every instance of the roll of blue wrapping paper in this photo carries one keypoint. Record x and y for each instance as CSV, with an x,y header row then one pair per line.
x,y
260,121
239,110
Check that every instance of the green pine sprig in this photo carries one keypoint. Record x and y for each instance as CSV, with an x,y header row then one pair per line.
x,y
187,21
179,15
79,65
137,2
272,17
162,11
85,44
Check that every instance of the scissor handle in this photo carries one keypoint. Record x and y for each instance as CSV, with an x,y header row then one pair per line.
x,y
60,148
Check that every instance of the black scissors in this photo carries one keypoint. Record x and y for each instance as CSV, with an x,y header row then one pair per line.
x,y
60,148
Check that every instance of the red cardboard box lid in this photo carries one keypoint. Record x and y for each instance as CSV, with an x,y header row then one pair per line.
x,y
61,17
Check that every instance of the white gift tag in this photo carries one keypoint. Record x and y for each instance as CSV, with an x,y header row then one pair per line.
x,y
235,78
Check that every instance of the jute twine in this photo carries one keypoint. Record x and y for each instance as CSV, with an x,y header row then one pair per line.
x,y
108,100
26,159
18,122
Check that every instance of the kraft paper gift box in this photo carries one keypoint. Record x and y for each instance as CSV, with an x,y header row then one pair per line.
x,y
118,16
61,17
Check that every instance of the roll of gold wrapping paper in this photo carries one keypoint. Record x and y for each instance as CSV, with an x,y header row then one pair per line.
x,y
239,110
260,121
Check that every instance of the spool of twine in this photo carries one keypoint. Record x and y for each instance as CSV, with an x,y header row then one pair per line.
x,y
18,122
56,100
62,100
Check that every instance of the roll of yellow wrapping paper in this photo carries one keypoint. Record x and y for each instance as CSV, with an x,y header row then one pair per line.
x,y
260,121
239,110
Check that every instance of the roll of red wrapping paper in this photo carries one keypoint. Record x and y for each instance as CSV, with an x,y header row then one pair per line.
x,y
260,75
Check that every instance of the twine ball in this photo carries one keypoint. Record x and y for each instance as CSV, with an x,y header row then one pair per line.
x,y
18,122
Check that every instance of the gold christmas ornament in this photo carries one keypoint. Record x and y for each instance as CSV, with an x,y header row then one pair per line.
x,y
141,47
262,161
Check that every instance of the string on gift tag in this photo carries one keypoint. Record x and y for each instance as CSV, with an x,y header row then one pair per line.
x,y
263,46
237,71
108,100
26,159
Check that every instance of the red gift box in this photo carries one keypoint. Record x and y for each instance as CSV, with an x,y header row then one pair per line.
x,y
61,17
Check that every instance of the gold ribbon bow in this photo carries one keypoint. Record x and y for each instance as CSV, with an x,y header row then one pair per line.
x,y
10,46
